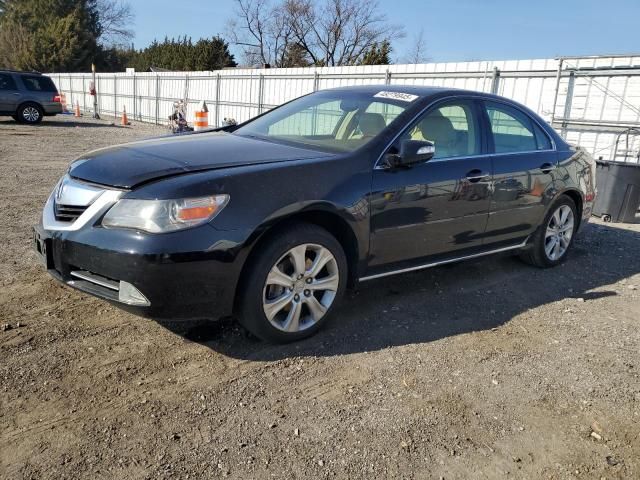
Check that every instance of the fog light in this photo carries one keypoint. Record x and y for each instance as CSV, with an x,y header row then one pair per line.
x,y
131,295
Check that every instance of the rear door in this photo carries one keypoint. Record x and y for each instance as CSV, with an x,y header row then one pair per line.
x,y
9,93
524,164
439,207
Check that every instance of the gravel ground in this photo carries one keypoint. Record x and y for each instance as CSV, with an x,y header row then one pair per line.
x,y
489,369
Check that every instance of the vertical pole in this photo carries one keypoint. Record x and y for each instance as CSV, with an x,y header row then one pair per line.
x,y
387,77
316,81
260,93
218,78
555,97
135,102
157,97
70,91
84,95
495,81
186,91
96,115
115,96
566,116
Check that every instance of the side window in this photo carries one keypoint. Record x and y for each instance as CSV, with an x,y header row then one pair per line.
x,y
451,127
38,84
7,82
513,131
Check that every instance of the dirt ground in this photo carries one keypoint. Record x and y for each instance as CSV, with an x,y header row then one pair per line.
x,y
483,370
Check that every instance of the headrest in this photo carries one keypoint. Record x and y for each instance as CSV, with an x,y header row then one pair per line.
x,y
371,124
437,128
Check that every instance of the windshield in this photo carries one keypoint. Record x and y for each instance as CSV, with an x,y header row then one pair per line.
x,y
339,121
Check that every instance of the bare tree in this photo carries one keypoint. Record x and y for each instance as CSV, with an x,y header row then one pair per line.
x,y
418,51
330,32
115,17
262,30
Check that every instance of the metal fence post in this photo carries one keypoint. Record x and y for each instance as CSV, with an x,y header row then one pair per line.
x,y
387,77
566,116
495,80
555,97
157,97
218,78
84,95
135,103
316,81
260,93
115,96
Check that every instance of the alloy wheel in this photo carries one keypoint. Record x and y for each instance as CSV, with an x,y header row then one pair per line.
x,y
559,233
30,114
300,287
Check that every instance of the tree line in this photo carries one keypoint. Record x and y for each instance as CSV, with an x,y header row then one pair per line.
x,y
70,35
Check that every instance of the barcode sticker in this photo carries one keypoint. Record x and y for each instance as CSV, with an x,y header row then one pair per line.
x,y
404,97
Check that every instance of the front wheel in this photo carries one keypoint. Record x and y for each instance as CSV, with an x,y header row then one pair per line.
x,y
552,240
293,284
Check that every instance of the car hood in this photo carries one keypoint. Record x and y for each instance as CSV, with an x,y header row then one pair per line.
x,y
130,164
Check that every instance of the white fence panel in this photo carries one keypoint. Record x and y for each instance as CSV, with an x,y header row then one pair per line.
x,y
589,99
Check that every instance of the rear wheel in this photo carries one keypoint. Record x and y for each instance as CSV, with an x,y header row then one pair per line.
x,y
293,285
30,113
552,240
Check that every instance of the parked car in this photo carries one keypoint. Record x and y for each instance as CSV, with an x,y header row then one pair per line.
x,y
28,96
272,219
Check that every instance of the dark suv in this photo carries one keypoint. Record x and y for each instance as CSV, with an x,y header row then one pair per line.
x,y
272,219
28,96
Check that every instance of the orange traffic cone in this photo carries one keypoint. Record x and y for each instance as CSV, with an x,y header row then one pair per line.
x,y
125,120
77,110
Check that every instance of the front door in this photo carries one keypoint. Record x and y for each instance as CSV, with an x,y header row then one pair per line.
x,y
439,207
524,164
9,94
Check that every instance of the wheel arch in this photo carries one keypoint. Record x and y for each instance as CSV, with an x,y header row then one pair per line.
x,y
322,216
576,196
29,102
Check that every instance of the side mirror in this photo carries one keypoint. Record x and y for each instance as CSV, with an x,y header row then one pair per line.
x,y
411,152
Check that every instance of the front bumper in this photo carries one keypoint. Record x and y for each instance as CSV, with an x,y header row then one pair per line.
x,y
187,274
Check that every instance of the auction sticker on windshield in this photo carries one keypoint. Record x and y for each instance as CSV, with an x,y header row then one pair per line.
x,y
404,97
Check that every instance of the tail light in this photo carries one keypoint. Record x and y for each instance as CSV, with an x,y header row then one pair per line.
x,y
57,98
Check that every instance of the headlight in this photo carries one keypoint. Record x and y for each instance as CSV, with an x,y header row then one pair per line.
x,y
160,216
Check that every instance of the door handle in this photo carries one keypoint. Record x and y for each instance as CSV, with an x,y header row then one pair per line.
x,y
476,175
547,167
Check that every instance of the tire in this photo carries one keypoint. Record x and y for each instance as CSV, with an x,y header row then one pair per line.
x,y
537,253
272,283
30,113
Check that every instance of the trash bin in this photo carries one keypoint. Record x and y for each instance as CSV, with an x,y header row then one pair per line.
x,y
618,182
618,185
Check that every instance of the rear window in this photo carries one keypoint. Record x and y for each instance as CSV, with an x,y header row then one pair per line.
x,y
38,84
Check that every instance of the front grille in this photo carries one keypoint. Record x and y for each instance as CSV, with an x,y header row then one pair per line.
x,y
67,213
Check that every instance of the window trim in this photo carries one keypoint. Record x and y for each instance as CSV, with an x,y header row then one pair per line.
x,y
378,165
532,119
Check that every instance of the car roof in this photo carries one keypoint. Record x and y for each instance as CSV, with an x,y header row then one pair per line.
x,y
4,70
423,91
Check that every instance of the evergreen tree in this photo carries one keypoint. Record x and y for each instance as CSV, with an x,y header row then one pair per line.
x,y
61,35
378,54
182,54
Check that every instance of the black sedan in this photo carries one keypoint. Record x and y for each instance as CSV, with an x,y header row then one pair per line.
x,y
272,219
